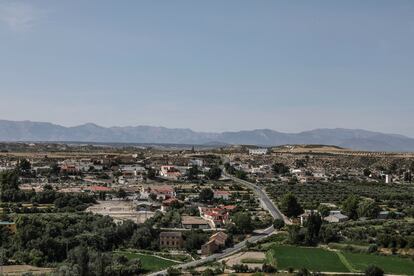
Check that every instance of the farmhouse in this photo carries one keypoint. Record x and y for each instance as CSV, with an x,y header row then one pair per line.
x,y
162,192
336,216
190,222
216,242
171,240
217,216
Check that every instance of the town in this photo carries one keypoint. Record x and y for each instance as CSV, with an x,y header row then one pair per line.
x,y
92,209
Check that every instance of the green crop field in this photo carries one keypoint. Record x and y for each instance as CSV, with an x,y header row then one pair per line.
x,y
390,264
318,259
149,263
314,259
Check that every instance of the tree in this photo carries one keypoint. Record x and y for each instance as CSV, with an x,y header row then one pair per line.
x,y
278,224
153,197
54,169
229,168
369,209
132,267
367,172
303,272
373,270
241,174
243,222
206,195
193,240
214,173
350,206
240,268
268,268
151,174
280,168
3,256
313,226
324,210
173,271
24,165
80,257
290,206
99,263
9,186
193,172
207,272
296,234
328,233
141,239
121,193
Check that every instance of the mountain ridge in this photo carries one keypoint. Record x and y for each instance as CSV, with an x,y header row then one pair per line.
x,y
358,139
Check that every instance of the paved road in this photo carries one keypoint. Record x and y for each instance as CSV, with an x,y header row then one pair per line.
x,y
227,252
264,198
267,204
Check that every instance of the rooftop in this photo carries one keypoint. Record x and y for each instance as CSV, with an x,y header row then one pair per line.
x,y
193,220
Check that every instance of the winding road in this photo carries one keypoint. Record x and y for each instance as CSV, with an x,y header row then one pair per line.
x,y
267,203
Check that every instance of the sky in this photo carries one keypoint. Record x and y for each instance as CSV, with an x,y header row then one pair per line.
x,y
209,65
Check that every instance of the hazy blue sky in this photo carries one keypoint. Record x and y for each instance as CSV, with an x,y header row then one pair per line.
x,y
209,65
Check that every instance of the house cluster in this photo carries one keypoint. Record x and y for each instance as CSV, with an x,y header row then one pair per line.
x,y
159,192
334,216
175,240
170,172
80,165
131,174
317,168
179,172
218,216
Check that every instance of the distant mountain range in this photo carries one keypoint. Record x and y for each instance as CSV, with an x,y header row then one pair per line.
x,y
348,138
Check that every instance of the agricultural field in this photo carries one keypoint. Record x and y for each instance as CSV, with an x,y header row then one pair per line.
x,y
390,264
399,196
314,259
150,263
397,234
318,259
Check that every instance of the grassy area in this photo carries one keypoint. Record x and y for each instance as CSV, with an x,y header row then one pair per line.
x,y
390,264
150,263
318,259
314,259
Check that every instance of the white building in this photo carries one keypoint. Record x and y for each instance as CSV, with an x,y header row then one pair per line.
x,y
335,217
196,162
225,195
170,172
261,151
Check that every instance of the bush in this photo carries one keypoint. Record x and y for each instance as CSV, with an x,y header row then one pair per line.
x,y
278,224
372,248
374,271
267,268
240,268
